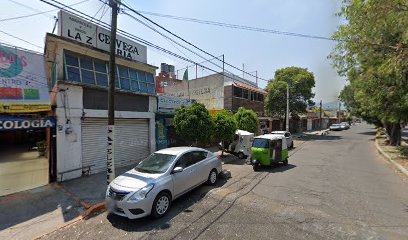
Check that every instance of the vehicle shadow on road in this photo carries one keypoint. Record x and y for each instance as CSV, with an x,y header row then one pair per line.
x,y
320,138
276,168
179,206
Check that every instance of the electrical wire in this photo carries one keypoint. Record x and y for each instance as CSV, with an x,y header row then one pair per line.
x,y
126,34
35,14
182,39
257,29
32,44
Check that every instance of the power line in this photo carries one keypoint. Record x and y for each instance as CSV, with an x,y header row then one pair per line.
x,y
230,25
257,29
35,14
126,34
171,40
8,34
189,43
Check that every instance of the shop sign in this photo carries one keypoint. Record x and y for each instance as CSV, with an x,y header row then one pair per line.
x,y
169,104
82,31
22,123
22,80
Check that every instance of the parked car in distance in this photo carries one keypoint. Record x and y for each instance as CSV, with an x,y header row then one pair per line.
x,y
335,127
344,125
287,135
155,182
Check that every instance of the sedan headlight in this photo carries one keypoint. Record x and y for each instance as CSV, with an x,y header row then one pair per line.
x,y
142,193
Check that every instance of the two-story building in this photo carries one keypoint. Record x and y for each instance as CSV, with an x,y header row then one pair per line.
x,y
77,66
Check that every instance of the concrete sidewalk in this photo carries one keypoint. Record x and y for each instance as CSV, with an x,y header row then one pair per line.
x,y
33,213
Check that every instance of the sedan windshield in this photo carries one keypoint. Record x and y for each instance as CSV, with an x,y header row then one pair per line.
x,y
155,163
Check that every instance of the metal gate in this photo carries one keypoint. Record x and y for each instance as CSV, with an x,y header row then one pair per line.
x,y
131,142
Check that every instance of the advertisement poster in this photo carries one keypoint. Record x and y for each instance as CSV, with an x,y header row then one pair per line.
x,y
23,83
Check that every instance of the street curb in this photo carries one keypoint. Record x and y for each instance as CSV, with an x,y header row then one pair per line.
x,y
401,168
90,212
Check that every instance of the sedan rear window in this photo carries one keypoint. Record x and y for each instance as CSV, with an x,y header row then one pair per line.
x,y
155,163
260,143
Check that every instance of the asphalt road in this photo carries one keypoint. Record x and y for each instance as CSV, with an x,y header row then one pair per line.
x,y
335,187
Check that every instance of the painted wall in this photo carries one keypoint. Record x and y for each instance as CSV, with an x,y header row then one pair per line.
x,y
206,90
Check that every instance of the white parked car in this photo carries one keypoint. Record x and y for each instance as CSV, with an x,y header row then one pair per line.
x,y
335,127
155,182
287,135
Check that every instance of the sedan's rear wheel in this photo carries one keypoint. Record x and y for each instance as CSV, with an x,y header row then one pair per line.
x,y
161,205
212,177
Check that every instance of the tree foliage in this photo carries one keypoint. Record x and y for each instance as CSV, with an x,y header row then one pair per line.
x,y
224,127
372,52
300,92
193,122
246,120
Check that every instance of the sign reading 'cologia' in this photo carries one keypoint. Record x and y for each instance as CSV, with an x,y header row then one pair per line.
x,y
21,123
88,33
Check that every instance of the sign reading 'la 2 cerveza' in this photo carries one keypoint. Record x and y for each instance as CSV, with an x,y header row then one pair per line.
x,y
85,32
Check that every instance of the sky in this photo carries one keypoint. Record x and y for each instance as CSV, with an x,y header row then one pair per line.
x,y
257,51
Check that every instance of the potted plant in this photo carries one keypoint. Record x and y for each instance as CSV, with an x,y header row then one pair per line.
x,y
41,147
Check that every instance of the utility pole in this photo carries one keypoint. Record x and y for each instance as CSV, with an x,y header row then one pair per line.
x,y
338,120
321,120
110,161
287,106
243,71
196,70
256,76
223,64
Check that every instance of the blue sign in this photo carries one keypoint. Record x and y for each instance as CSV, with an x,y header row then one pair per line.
x,y
23,123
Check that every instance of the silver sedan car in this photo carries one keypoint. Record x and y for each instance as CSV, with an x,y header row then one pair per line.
x,y
155,182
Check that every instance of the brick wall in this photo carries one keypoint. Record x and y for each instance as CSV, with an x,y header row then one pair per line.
x,y
228,97
248,104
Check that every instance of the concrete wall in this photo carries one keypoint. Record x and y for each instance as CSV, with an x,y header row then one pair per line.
x,y
69,142
206,90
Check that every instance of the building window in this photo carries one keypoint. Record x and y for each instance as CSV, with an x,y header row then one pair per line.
x,y
245,93
260,97
95,72
237,92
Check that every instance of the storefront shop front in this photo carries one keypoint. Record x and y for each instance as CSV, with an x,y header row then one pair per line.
x,y
26,145
166,135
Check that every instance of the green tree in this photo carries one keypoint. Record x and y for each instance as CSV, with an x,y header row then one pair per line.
x,y
300,92
246,120
224,127
372,52
193,122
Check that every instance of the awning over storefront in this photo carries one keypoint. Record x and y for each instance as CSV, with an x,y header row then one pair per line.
x,y
244,86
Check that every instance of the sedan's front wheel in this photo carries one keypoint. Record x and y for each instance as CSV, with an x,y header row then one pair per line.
x,y
161,205
212,177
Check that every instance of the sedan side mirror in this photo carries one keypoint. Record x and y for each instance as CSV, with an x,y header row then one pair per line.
x,y
177,170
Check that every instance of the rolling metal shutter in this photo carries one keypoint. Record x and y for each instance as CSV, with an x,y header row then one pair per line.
x,y
131,142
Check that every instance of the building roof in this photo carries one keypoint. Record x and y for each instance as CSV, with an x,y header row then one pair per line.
x,y
247,87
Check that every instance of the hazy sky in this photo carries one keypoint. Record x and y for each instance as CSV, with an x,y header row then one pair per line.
x,y
264,52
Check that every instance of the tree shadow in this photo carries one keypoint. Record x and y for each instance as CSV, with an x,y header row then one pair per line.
x,y
368,133
180,205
